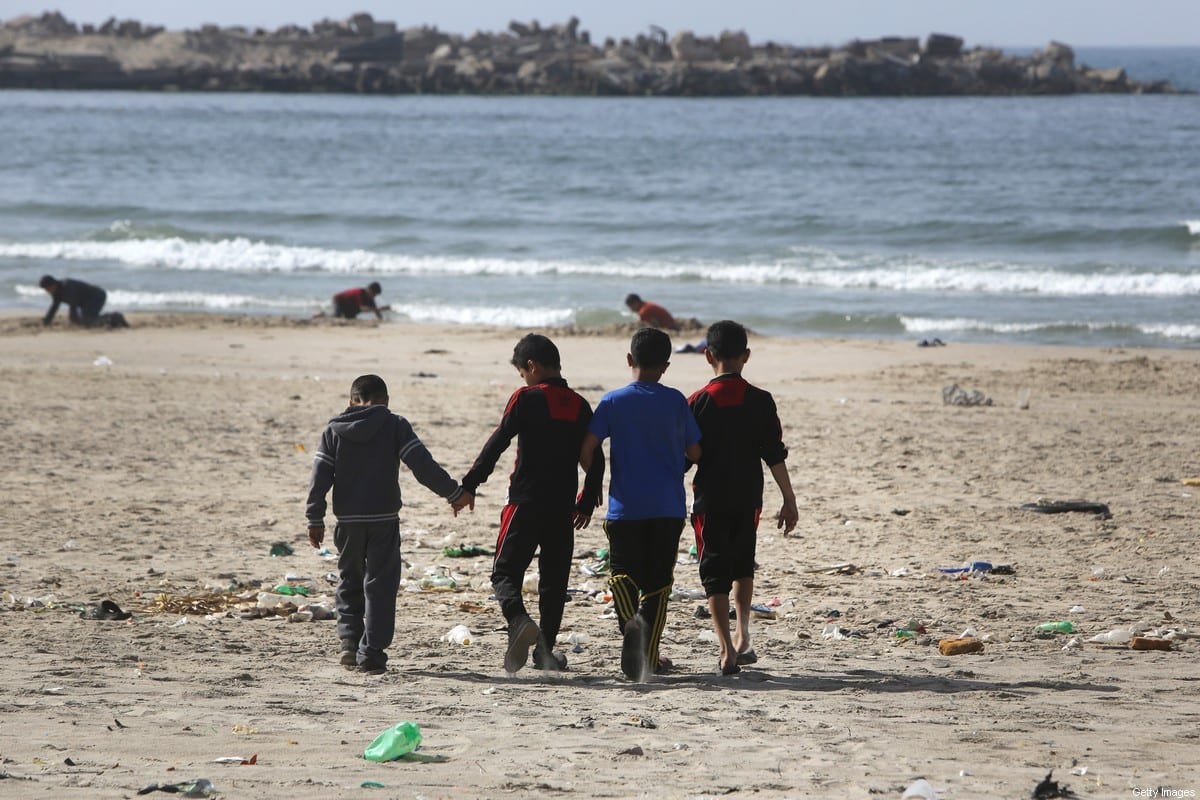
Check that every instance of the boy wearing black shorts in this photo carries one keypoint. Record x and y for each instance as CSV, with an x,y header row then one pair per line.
x,y
542,512
653,435
739,427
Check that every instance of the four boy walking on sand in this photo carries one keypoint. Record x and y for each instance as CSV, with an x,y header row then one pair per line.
x,y
729,428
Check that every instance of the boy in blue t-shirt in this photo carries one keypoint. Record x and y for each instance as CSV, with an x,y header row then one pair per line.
x,y
653,432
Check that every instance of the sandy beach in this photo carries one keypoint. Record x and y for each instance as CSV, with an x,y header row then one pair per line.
x,y
156,467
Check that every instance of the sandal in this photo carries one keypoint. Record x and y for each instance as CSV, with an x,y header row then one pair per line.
x,y
106,610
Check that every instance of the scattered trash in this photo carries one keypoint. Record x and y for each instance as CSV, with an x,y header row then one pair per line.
x,y
1115,636
832,631
1062,626
291,591
762,612
934,342
643,722
244,730
319,611
1072,644
459,634
282,549
1076,610
106,610
237,760
396,741
179,623
958,647
576,640
466,551
1023,398
202,787
1043,506
920,788
1048,789
636,750
1148,643
438,582
371,785
1190,481
953,395
102,361
845,568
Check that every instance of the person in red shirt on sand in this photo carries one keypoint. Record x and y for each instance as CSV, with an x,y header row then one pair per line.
x,y
350,303
652,314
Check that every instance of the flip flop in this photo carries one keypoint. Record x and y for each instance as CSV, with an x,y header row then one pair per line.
x,y
733,670
748,657
106,610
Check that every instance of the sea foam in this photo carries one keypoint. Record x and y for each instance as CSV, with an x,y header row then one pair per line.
x,y
807,268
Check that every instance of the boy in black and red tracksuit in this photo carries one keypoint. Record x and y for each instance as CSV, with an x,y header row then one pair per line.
x,y
739,427
549,421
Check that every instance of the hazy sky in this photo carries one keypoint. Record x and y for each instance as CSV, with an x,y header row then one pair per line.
x,y
807,22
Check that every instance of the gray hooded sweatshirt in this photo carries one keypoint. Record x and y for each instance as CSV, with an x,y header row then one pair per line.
x,y
359,457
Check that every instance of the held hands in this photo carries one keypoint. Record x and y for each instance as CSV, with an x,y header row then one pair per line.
x,y
788,516
465,500
316,536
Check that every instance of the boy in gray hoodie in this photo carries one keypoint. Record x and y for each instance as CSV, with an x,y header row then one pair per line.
x,y
359,457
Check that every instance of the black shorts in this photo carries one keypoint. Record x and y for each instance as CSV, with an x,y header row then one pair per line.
x,y
345,309
725,544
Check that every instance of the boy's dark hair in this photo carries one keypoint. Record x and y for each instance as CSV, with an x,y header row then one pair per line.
x,y
375,287
47,281
726,339
650,348
535,347
631,299
369,388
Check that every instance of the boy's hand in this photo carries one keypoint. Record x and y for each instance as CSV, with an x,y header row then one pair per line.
x,y
316,536
581,520
788,516
465,500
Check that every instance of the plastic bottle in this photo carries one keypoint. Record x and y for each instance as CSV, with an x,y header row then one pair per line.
x,y
396,741
439,583
1062,626
200,788
459,634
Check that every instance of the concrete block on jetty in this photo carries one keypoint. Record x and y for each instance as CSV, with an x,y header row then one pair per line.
x,y
363,55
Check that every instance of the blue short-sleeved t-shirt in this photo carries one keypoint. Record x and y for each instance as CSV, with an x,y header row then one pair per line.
x,y
650,426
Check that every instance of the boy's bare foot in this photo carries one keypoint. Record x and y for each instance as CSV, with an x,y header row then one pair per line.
x,y
728,666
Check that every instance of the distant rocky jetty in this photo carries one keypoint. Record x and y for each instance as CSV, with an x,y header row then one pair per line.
x,y
369,56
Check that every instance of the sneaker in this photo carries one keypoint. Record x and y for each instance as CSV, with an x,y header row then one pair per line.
x,y
349,658
370,667
522,635
633,649
549,660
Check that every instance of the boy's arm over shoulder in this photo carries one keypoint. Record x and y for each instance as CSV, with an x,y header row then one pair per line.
x,y
416,457
497,443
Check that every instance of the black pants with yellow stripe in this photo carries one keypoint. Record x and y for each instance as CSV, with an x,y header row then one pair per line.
x,y
641,562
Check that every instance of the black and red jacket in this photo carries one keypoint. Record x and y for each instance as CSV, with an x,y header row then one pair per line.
x,y
549,421
739,428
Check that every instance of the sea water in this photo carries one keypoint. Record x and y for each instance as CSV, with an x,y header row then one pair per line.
x,y
1041,219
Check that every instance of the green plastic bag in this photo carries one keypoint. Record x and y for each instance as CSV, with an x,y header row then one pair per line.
x,y
396,741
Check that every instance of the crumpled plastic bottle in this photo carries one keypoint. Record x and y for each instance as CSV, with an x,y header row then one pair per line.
x,y
398,740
